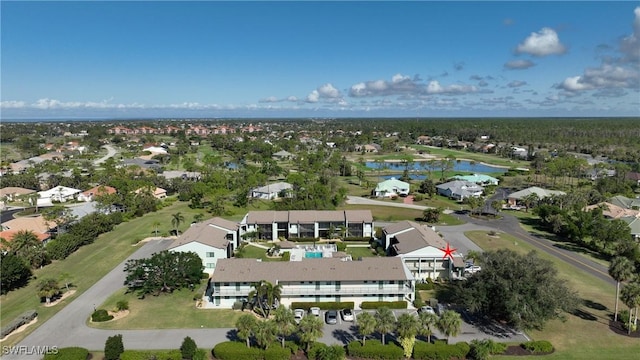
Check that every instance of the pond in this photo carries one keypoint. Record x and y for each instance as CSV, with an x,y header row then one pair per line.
x,y
423,166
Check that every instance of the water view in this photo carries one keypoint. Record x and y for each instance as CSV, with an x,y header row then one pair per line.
x,y
423,166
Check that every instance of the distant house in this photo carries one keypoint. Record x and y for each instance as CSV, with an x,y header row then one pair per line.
x,y
634,225
101,190
516,198
459,189
185,175
421,250
479,179
212,240
58,193
12,193
625,202
158,193
143,163
391,187
283,155
423,140
613,211
37,224
272,191
8,235
633,176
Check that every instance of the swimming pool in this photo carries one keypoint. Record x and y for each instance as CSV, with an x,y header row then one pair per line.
x,y
313,254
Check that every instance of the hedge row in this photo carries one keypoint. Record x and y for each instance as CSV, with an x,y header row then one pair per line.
x,y
440,350
101,315
24,318
234,350
402,304
538,347
323,305
373,349
70,353
150,354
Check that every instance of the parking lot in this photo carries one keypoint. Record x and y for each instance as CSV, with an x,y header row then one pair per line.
x,y
345,331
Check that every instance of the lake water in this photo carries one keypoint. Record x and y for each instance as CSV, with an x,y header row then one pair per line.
x,y
422,166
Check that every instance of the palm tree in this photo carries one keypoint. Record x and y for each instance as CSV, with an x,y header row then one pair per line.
x,y
245,326
176,220
265,333
427,324
630,295
285,321
406,330
309,330
450,323
529,201
156,224
385,322
66,278
48,288
264,294
366,325
198,217
621,269
26,245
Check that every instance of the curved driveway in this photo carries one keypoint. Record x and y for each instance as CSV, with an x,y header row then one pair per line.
x,y
111,151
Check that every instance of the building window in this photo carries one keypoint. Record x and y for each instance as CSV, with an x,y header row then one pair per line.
x,y
211,254
210,265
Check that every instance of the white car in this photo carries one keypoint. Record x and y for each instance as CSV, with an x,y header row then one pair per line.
x,y
427,309
347,314
315,311
298,314
472,269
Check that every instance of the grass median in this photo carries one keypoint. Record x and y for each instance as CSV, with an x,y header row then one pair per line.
x,y
585,334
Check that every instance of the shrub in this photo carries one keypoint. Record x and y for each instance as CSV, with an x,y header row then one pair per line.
x,y
425,286
151,354
538,347
401,304
24,318
233,350
200,354
380,251
276,352
440,350
188,348
113,347
323,305
122,305
315,350
373,349
292,346
70,353
101,315
341,246
286,256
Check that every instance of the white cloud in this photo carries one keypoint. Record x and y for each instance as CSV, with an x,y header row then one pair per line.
x,y
518,64
313,97
327,91
630,45
543,43
434,87
604,77
516,83
12,104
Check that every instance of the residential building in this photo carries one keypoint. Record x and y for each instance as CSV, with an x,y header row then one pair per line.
x,y
272,191
178,174
283,155
514,199
8,235
479,179
12,193
634,225
312,280
41,227
158,193
58,193
271,225
212,240
422,251
459,189
391,187
101,190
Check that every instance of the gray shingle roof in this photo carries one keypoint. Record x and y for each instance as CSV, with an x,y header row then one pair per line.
x,y
223,223
415,237
368,269
309,216
204,234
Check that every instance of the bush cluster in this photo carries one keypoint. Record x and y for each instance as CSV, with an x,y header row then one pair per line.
x,y
323,305
357,238
101,315
426,285
538,347
24,318
83,232
70,353
150,354
368,305
373,349
440,350
233,350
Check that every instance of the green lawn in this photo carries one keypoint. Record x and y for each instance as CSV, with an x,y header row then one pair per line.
x,y
358,252
89,264
479,157
579,337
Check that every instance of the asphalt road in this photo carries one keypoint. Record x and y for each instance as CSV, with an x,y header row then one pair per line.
x,y
111,151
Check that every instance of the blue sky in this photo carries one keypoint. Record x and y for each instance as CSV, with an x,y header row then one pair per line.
x,y
319,59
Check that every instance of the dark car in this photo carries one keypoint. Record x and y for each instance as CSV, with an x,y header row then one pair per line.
x,y
331,317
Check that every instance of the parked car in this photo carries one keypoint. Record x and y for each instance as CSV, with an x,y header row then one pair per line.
x,y
298,314
315,311
427,309
331,317
347,314
472,269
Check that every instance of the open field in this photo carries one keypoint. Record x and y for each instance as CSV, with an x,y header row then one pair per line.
x,y
89,264
585,335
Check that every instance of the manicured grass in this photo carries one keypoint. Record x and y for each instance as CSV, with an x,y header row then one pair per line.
x,y
582,336
358,252
254,252
166,311
485,158
386,213
89,264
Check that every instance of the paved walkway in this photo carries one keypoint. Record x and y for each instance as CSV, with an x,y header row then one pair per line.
x,y
111,151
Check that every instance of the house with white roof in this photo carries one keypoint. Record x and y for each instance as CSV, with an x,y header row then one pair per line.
x,y
479,179
459,189
212,240
391,187
422,251
58,193
515,198
312,280
272,191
